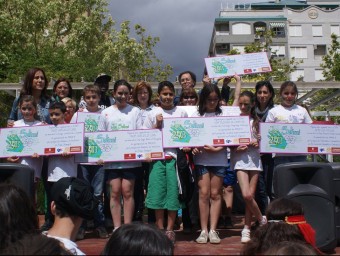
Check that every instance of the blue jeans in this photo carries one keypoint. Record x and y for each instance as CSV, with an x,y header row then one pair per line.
x,y
94,174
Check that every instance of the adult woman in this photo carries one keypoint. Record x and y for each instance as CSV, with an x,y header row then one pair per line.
x,y
71,108
35,84
188,97
62,89
264,101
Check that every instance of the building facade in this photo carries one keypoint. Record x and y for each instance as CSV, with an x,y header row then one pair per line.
x,y
301,29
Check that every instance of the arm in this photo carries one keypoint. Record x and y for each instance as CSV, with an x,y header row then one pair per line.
x,y
237,90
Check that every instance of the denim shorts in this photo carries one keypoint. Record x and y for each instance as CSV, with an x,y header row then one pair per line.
x,y
217,170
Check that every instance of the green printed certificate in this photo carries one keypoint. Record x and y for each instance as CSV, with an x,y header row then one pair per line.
x,y
90,120
199,131
299,138
42,139
129,145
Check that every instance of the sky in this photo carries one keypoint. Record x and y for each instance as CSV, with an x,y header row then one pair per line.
x,y
183,26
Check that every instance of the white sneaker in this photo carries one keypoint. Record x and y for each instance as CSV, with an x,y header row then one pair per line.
x,y
213,237
263,221
203,238
245,236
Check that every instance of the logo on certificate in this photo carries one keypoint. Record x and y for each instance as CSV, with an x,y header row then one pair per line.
x,y
49,150
244,140
129,156
218,141
312,149
156,154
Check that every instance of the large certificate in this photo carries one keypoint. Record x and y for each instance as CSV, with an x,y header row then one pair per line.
x,y
200,131
241,64
300,138
90,120
227,110
42,139
129,145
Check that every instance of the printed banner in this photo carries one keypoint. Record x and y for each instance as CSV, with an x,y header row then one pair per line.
x,y
42,139
90,120
200,131
129,145
227,110
241,64
300,138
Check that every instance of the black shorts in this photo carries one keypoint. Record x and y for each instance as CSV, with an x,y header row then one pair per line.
x,y
127,174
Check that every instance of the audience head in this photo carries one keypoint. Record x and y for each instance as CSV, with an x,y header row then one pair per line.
x,y
209,98
62,88
264,94
142,94
71,108
35,80
291,248
188,97
187,79
17,215
57,112
288,93
138,239
103,81
73,197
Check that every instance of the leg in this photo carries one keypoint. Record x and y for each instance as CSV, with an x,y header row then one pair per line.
x,y
98,189
228,198
204,200
138,195
215,199
115,205
159,214
129,203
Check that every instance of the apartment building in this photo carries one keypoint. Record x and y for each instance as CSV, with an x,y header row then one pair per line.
x,y
301,28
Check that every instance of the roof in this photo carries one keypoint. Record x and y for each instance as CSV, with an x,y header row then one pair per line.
x,y
250,18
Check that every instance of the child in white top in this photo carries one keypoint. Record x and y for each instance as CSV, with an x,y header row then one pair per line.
x,y
163,187
121,175
246,161
210,164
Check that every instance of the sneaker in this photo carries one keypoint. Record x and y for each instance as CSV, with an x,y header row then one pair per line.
x,y
245,236
171,235
228,223
203,238
102,233
263,221
81,234
213,237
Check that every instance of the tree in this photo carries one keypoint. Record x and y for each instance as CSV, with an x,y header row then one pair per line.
x,y
75,39
331,61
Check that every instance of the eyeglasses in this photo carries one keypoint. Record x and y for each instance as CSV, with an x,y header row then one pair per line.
x,y
189,97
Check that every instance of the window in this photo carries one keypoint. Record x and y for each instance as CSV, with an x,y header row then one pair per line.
x,y
298,52
241,29
278,29
318,75
278,50
239,48
295,31
297,75
319,51
335,29
317,31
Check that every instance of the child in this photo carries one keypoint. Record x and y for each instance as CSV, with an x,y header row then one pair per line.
x,y
93,173
121,175
246,161
288,112
163,187
28,110
59,166
210,164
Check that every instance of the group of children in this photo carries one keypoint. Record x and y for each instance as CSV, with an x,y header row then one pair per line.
x,y
210,162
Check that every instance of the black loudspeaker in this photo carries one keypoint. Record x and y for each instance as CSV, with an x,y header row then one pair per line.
x,y
311,184
20,175
336,181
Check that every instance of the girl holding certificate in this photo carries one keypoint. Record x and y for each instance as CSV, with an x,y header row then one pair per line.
x,y
210,164
121,175
246,162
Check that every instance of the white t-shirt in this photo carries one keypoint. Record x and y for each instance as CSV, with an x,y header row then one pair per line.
x,y
150,121
115,119
69,245
61,166
34,163
208,158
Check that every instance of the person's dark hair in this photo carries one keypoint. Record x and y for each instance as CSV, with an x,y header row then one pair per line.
x,y
17,215
192,74
28,82
289,83
121,82
253,115
29,98
139,86
205,92
36,244
163,84
138,239
270,88
291,248
62,79
186,92
58,105
276,230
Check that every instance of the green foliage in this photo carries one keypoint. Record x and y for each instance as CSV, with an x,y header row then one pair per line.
x,y
331,61
74,39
